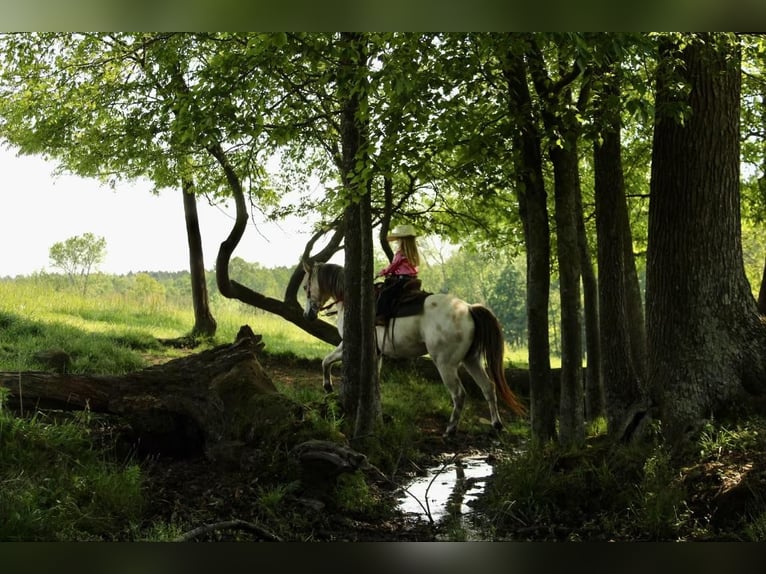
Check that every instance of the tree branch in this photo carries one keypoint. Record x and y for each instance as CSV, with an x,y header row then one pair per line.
x,y
235,524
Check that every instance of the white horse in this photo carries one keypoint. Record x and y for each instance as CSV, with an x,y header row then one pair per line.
x,y
450,330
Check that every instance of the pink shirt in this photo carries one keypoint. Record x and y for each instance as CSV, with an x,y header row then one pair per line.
x,y
399,265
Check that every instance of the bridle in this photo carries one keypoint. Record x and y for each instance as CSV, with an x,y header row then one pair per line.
x,y
314,305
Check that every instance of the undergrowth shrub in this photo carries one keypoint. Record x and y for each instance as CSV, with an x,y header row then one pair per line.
x,y
632,492
660,507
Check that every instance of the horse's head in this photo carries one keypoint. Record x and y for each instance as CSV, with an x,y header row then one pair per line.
x,y
324,281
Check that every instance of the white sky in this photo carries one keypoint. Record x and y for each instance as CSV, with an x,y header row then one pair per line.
x,y
143,231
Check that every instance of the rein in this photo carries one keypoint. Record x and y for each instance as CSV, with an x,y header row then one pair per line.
x,y
328,306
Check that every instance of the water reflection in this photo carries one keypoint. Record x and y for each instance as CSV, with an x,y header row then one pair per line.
x,y
447,489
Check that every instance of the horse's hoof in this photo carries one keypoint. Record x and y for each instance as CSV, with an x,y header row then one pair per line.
x,y
328,387
449,433
498,426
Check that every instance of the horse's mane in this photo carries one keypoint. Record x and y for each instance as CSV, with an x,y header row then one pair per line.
x,y
330,280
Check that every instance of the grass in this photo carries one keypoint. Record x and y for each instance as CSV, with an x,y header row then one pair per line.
x,y
116,333
110,334
55,482
56,485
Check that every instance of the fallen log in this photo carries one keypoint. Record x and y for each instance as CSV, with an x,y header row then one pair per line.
x,y
186,405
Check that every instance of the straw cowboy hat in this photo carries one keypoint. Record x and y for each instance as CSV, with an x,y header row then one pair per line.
x,y
402,231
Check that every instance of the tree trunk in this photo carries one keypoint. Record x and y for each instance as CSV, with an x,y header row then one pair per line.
x,y
762,190
204,323
762,292
705,337
360,392
351,367
533,210
634,301
594,392
571,416
370,410
558,115
198,403
618,365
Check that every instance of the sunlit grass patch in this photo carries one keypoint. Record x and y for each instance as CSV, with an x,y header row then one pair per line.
x,y
107,333
279,335
518,357
106,353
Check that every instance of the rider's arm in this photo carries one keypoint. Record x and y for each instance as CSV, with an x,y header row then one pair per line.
x,y
393,266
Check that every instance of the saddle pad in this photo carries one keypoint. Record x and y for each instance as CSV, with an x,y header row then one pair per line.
x,y
411,303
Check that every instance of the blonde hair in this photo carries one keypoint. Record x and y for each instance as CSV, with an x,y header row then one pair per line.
x,y
409,247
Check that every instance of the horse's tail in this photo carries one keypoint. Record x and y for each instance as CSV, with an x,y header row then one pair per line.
x,y
488,339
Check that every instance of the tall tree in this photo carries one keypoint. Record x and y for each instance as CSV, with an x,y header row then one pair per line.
x,y
361,388
705,337
593,390
208,82
621,367
533,209
559,113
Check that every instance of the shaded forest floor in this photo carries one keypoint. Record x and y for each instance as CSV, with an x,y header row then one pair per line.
x,y
725,495
194,491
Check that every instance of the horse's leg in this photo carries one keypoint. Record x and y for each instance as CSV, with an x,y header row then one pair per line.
x,y
327,363
451,380
476,369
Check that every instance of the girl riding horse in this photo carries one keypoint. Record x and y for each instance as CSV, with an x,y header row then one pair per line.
x,y
399,273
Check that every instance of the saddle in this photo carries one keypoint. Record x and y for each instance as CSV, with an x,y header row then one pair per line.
x,y
401,299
